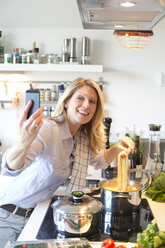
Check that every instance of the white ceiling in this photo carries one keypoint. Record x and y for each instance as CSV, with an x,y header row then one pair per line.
x,y
39,13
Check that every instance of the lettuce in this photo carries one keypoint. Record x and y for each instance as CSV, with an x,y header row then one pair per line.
x,y
156,190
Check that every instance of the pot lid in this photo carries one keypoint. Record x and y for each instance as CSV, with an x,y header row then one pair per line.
x,y
77,203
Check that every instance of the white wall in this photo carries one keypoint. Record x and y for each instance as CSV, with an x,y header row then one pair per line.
x,y
132,90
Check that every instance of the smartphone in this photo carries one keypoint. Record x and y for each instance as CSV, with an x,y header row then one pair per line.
x,y
33,95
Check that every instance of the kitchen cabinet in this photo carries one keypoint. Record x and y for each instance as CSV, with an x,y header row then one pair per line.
x,y
50,68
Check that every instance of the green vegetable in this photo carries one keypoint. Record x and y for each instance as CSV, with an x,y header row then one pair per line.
x,y
149,238
157,241
156,190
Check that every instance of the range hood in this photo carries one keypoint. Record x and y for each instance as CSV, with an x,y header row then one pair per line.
x,y
109,14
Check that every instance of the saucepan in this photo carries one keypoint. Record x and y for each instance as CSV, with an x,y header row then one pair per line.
x,y
124,201
77,214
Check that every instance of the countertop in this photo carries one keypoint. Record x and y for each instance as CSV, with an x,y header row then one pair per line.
x,y
31,229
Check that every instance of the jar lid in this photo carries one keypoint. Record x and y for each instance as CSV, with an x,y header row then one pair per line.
x,y
60,87
7,54
78,203
154,127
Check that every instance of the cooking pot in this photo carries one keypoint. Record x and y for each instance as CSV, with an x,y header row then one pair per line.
x,y
77,214
124,201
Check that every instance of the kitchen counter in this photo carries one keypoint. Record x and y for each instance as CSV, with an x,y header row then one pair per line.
x,y
31,229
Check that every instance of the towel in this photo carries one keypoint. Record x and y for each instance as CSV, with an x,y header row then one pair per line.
x,y
80,165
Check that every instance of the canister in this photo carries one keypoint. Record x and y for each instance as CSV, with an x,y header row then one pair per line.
x,y
24,58
53,95
7,58
47,95
60,90
42,94
46,111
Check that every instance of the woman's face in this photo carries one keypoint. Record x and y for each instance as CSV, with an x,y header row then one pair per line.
x,y
81,106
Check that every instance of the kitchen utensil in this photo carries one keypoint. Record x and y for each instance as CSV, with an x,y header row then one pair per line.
x,y
77,214
85,51
124,201
154,164
73,50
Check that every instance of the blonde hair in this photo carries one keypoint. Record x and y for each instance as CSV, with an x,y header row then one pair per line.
x,y
93,129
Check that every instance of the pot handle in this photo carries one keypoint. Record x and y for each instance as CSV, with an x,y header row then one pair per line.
x,y
120,194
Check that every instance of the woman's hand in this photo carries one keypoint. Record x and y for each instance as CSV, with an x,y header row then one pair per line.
x,y
29,128
126,145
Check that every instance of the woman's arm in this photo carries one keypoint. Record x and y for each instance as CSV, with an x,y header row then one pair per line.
x,y
28,130
123,145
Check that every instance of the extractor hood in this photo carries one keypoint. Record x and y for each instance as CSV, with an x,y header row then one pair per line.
x,y
109,14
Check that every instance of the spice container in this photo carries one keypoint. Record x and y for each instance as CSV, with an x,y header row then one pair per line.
x,y
42,94
56,59
29,58
43,59
85,51
60,90
45,111
24,58
7,58
36,56
15,56
50,59
47,95
53,94
52,109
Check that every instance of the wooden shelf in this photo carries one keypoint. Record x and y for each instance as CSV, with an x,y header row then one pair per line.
x,y
50,68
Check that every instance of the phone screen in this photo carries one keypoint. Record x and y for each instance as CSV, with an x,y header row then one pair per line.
x,y
33,95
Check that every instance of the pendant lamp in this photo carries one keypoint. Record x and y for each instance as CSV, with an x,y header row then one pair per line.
x,y
133,38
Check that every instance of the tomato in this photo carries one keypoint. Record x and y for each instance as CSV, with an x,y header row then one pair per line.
x,y
108,243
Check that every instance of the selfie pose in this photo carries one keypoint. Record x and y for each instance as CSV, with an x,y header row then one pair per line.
x,y
48,152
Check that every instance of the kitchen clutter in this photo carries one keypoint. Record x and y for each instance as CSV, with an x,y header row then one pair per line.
x,y
68,53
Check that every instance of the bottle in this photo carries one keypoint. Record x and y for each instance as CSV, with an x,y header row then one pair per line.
x,y
36,56
60,90
137,156
109,172
15,56
1,49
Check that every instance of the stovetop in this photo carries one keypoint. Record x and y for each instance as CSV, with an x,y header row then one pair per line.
x,y
115,226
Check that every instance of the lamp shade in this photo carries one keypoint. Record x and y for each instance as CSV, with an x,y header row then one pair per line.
x,y
133,39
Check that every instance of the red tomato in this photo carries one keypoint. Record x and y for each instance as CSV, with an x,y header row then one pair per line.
x,y
108,243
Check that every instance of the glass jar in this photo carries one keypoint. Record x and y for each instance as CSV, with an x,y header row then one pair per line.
x,y
45,111
60,90
47,95
29,58
7,58
50,58
43,59
42,94
24,58
15,56
52,109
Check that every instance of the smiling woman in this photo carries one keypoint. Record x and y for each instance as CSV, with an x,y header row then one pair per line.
x,y
45,157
